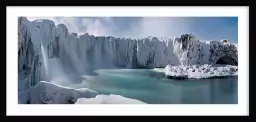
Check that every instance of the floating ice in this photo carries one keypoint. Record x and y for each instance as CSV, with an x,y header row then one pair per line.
x,y
200,71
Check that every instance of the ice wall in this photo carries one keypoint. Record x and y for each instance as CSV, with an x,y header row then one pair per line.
x,y
29,61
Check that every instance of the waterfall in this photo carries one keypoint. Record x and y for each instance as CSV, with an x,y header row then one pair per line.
x,y
45,61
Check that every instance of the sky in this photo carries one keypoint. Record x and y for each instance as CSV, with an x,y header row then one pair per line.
x,y
204,28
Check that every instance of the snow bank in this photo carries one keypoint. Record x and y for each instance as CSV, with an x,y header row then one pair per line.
x,y
49,93
108,99
200,71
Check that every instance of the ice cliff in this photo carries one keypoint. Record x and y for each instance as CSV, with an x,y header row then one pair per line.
x,y
40,41
29,54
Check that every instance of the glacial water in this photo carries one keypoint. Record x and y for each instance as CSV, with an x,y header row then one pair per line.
x,y
153,88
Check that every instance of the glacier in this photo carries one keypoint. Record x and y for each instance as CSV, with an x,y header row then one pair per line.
x,y
49,52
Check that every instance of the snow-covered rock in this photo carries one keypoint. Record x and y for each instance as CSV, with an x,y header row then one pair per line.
x,y
200,71
108,99
49,93
191,51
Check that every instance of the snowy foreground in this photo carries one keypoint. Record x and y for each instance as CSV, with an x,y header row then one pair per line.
x,y
199,71
49,93
108,99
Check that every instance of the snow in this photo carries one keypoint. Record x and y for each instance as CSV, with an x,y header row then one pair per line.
x,y
48,93
236,44
108,99
162,70
200,71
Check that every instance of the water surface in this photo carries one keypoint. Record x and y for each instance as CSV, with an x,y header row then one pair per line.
x,y
153,88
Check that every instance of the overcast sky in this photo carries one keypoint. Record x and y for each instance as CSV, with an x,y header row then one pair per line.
x,y
204,28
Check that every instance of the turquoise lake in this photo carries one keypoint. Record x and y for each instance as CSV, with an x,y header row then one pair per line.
x,y
153,88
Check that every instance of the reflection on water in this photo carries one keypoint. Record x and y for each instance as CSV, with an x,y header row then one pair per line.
x,y
153,88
